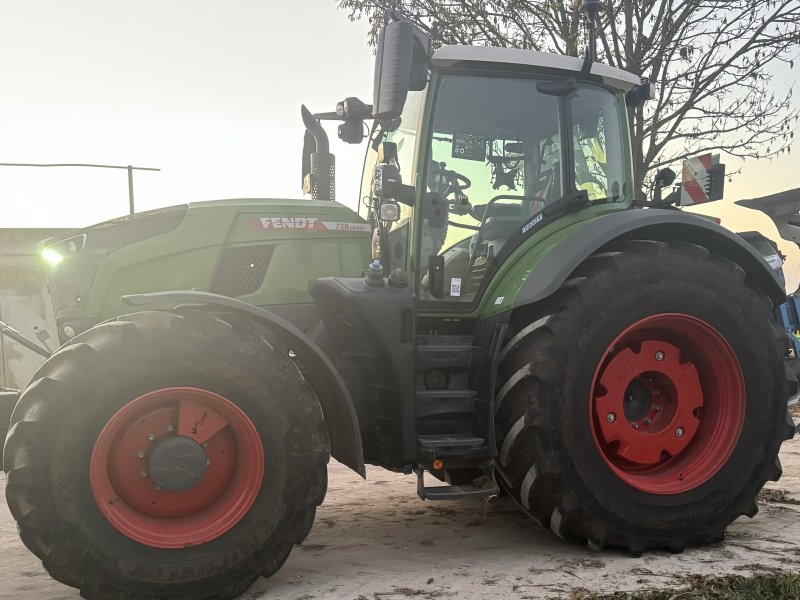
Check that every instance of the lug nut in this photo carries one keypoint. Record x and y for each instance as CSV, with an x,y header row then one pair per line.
x,y
635,425
142,473
647,421
679,432
208,462
655,408
170,428
611,417
659,356
151,436
205,444
158,488
140,454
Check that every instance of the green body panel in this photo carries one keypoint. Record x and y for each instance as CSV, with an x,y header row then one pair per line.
x,y
521,265
311,239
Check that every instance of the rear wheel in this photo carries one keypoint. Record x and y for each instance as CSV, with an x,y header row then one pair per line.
x,y
165,455
644,404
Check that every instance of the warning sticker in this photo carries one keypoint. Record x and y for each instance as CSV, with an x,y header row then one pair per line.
x,y
306,224
455,286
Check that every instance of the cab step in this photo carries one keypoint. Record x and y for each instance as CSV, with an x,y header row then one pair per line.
x,y
454,394
454,492
455,440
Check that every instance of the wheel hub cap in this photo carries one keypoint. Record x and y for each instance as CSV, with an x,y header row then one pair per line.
x,y
667,403
656,398
177,463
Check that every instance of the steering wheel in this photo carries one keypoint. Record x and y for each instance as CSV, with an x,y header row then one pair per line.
x,y
445,181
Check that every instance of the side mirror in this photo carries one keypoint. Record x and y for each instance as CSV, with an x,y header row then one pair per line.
x,y
665,178
400,66
641,93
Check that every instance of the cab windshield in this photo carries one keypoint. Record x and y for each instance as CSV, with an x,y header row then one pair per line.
x,y
500,150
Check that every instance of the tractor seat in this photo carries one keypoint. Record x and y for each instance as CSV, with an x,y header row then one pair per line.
x,y
497,229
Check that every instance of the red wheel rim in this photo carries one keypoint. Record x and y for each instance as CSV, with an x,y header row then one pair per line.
x,y
127,495
667,404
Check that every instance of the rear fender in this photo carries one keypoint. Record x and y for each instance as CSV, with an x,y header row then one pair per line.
x,y
554,269
340,415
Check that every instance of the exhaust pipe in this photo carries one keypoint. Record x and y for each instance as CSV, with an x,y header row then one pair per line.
x,y
319,165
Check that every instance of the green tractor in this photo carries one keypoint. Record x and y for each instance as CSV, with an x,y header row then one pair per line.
x,y
499,316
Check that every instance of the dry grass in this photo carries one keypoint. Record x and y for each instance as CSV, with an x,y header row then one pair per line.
x,y
780,586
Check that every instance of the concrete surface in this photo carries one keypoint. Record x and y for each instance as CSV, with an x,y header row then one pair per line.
x,y
375,540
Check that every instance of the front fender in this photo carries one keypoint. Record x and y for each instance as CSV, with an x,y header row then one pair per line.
x,y
340,415
652,224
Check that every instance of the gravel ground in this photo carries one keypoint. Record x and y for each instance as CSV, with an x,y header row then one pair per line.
x,y
375,540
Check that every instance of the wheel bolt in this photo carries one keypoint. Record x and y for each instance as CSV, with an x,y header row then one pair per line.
x,y
151,436
158,488
611,417
647,421
655,408
140,454
170,428
656,392
635,425
205,444
659,356
679,432
142,473
208,462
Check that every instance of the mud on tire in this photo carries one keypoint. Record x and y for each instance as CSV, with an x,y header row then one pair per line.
x,y
559,455
77,392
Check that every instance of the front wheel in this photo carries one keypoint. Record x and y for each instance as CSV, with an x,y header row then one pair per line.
x,y
645,403
165,455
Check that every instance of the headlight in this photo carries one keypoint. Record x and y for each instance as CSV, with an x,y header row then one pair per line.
x,y
51,256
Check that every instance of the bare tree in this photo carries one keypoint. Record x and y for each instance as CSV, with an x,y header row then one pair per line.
x,y
713,62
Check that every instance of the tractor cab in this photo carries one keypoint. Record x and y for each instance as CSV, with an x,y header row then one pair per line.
x,y
496,141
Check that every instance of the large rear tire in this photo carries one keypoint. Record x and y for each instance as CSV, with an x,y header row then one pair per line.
x,y
165,455
645,403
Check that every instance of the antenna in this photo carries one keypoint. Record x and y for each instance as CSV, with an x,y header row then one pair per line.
x,y
591,8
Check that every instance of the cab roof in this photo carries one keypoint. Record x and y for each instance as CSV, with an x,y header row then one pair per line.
x,y
448,56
